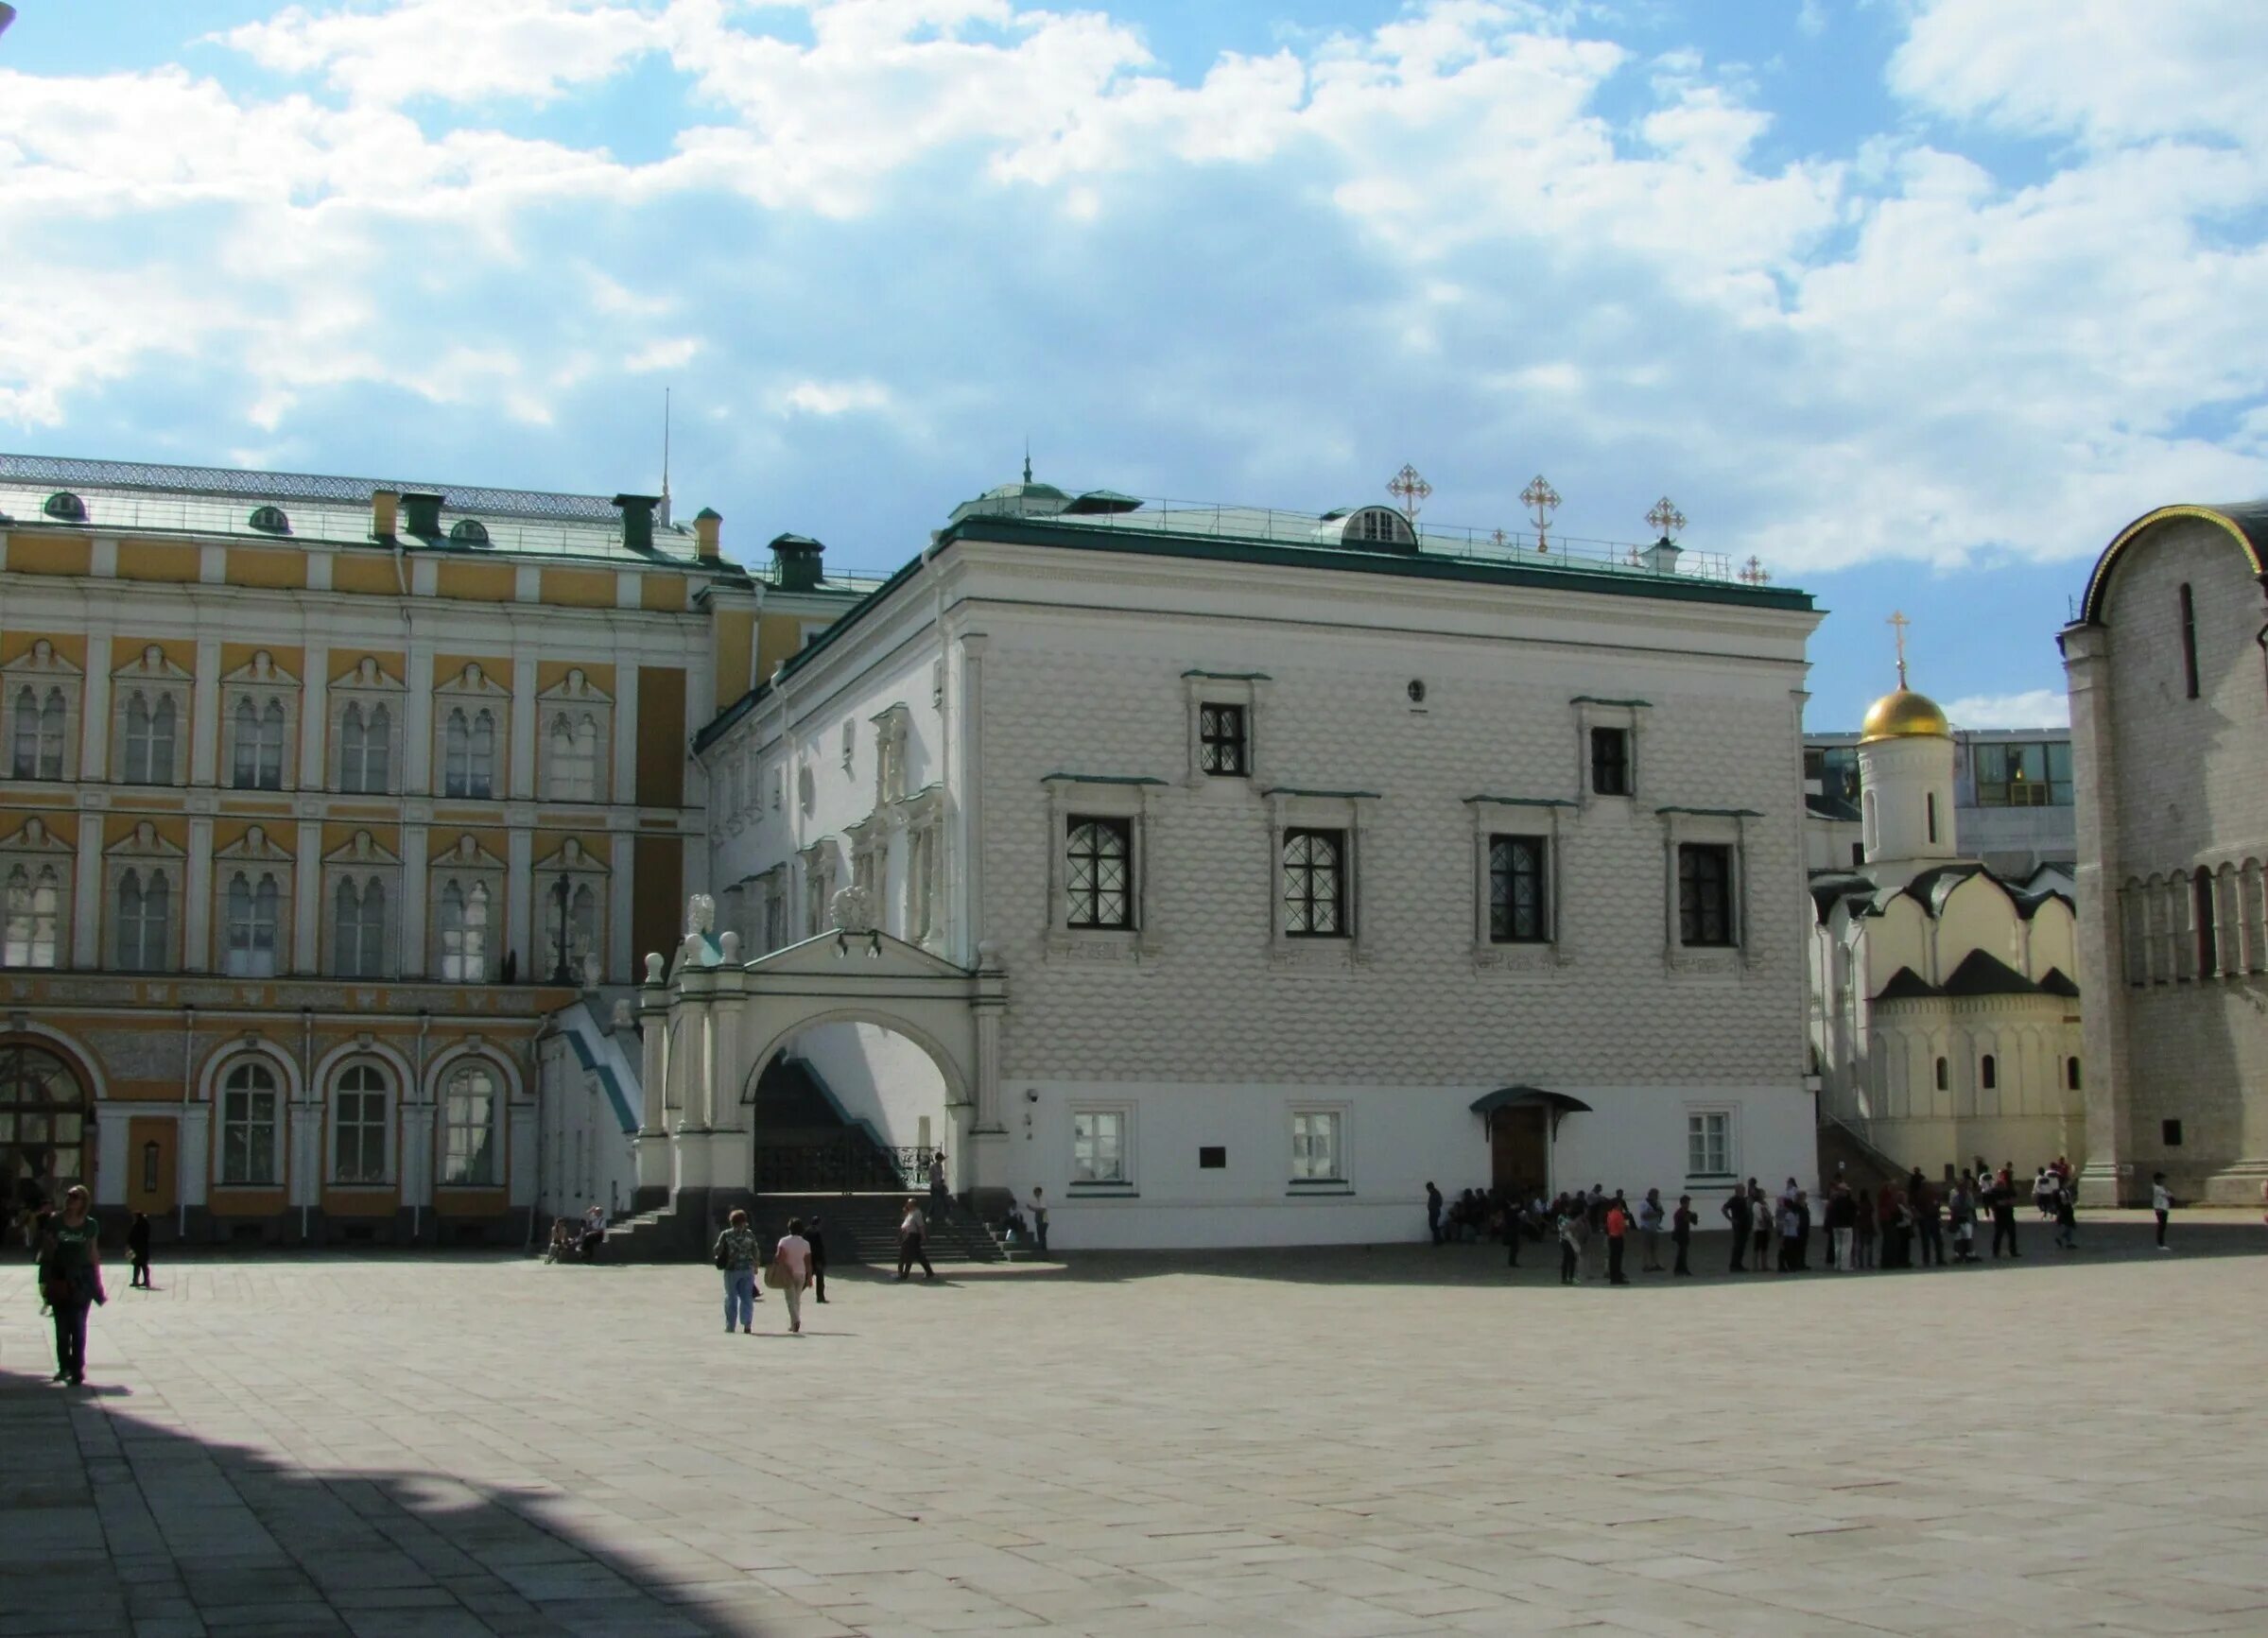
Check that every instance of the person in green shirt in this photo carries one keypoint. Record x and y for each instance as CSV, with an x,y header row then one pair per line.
x,y
71,1280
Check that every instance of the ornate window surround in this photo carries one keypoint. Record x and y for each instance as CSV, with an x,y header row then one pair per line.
x,y
892,726
1139,800
36,848
575,696
1521,816
1247,689
472,691
467,863
1629,716
262,682
1342,810
368,684
821,875
155,678
582,871
150,855
257,858
363,860
45,672
390,1092
922,816
1721,827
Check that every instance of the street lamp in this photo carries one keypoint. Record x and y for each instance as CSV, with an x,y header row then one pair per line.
x,y
564,972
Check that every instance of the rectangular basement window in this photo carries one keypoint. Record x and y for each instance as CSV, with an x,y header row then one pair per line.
x,y
1211,1157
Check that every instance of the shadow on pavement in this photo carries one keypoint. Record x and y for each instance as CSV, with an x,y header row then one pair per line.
x,y
110,1523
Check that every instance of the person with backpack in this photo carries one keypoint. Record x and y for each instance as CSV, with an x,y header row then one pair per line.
x,y
1681,1232
736,1254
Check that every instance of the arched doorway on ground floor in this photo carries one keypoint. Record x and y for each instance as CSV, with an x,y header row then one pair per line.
x,y
1522,1124
46,1125
849,1105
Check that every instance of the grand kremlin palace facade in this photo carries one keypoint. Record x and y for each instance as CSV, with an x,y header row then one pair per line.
x,y
322,795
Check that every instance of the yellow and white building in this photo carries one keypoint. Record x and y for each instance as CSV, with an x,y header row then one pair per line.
x,y
322,795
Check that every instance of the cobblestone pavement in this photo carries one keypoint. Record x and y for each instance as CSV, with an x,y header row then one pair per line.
x,y
1340,1443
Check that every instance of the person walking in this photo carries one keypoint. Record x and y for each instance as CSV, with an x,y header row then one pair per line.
x,y
1681,1232
1962,1212
818,1238
2066,1214
1039,1218
1618,1231
137,1246
1735,1211
1570,1241
1863,1229
71,1280
1929,1216
1841,1214
2003,1213
737,1253
791,1263
1650,1215
1434,1212
912,1230
2161,1202
1760,1242
941,1196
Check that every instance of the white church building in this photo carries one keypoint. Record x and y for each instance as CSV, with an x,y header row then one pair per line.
x,y
1232,874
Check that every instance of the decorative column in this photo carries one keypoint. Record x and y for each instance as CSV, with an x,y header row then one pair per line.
x,y
417,727
95,710
86,895
2106,1176
416,838
197,896
306,898
205,715
315,705
519,896
969,802
523,713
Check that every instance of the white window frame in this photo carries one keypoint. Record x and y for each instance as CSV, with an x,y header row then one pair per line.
x,y
370,686
818,876
149,856
581,705
1137,800
770,911
1247,690
279,1092
467,865
363,861
1730,1114
892,732
154,681
35,851
923,910
1341,1179
1124,1182
585,874
273,695
1627,715
1348,811
384,1123
446,1125
46,675
258,861
471,692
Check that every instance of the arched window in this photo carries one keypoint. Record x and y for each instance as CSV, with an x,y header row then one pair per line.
x,y
573,751
464,932
148,739
1868,832
1988,1073
145,922
38,751
1099,877
358,928
583,928
2206,910
1930,804
249,1108
469,1128
2189,641
34,910
271,745
483,777
457,754
358,1125
365,749
2071,1073
251,926
1944,1074
45,1111
245,774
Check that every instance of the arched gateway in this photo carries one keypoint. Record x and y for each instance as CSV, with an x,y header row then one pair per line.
x,y
712,1023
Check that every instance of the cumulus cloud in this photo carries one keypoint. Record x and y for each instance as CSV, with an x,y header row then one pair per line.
x,y
2033,708
833,397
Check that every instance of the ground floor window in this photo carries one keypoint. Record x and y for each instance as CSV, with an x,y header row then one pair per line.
x,y
1098,1145
1709,1143
469,1128
42,1126
249,1105
358,1126
1316,1145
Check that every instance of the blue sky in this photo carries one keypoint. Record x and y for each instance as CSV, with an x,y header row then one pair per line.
x,y
1916,301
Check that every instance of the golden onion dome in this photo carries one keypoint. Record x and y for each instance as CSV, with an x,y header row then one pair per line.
x,y
1904,714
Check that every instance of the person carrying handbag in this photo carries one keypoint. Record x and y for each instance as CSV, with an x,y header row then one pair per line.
x,y
737,1253
71,1281
790,1271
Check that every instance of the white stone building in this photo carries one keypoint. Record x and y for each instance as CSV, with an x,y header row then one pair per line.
x,y
1944,1020
1233,874
2170,730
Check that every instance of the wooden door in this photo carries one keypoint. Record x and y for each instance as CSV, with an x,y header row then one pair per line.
x,y
152,1164
1518,1151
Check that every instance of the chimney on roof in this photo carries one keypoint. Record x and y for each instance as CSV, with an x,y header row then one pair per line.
x,y
383,502
638,520
795,562
1661,556
707,523
421,514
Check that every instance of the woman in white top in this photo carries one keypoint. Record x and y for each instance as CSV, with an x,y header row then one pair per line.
x,y
912,1228
791,1257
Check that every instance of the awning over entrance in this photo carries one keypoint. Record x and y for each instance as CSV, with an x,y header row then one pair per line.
x,y
1559,1103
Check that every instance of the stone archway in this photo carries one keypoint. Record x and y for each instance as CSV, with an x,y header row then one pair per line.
x,y
46,1124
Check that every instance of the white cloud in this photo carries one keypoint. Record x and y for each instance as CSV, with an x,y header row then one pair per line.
x,y
2033,708
672,353
833,397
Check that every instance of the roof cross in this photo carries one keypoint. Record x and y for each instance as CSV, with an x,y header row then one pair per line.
x,y
1897,624
1666,518
1542,501
1410,489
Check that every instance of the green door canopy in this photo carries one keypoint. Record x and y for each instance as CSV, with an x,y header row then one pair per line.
x,y
1559,1103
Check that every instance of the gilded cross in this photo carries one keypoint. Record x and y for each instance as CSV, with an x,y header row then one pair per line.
x,y
1542,501
1666,519
1755,573
1897,623
1410,489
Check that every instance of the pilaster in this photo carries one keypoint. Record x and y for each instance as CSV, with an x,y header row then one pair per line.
x,y
315,693
197,908
95,710
86,896
416,840
523,731
306,900
519,897
205,715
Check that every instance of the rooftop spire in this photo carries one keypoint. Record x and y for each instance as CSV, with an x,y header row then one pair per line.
x,y
1026,459
1897,624
664,456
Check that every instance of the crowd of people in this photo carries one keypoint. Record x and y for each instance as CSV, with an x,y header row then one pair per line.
x,y
1911,1223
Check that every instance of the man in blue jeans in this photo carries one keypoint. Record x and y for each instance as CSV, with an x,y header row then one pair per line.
x,y
1039,1219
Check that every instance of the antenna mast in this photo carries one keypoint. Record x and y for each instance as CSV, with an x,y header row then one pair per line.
x,y
664,457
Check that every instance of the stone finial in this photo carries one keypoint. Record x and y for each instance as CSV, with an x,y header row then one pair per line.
x,y
730,943
654,965
852,910
622,1018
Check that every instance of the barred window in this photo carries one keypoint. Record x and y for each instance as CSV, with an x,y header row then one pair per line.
x,y
1517,911
1315,884
1705,894
1099,871
1221,740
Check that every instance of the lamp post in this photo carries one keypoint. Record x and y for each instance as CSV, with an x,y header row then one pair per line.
x,y
564,972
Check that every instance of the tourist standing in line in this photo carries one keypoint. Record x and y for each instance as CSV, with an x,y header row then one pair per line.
x,y
737,1253
1650,1213
2004,1212
817,1237
1767,1229
912,1230
1791,1226
1512,1225
1618,1233
1039,1218
1434,1212
1927,1217
2162,1201
1841,1214
1681,1232
1735,1211
791,1257
1863,1228
941,1196
137,1246
1593,1232
1570,1241
71,1280
1962,1211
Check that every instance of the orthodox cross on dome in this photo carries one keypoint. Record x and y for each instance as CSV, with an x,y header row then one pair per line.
x,y
1755,573
1897,624
1542,501
1666,519
1410,489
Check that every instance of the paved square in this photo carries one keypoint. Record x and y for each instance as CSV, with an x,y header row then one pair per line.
x,y
1340,1443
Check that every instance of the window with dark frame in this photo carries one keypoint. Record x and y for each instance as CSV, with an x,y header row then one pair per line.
x,y
1989,1073
2188,639
2203,897
1314,883
1945,1076
1099,871
1518,912
1705,894
1221,744
1610,761
2168,1134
